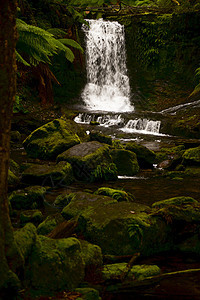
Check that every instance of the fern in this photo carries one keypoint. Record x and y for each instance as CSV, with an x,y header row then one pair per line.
x,y
38,45
197,87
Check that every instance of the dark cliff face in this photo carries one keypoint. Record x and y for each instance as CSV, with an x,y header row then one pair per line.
x,y
163,52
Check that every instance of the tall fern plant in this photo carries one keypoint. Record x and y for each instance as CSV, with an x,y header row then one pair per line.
x,y
36,47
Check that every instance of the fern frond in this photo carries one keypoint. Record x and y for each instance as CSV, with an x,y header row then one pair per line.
x,y
68,53
20,59
72,43
57,32
196,90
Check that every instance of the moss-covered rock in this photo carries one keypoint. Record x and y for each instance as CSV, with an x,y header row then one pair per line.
x,y
27,198
33,216
55,265
48,174
85,158
176,201
92,255
100,137
25,239
192,156
119,195
88,294
119,228
137,272
13,180
49,224
145,157
51,139
15,136
126,162
62,200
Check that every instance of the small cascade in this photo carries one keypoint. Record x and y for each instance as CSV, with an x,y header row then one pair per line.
x,y
174,109
107,87
142,126
137,125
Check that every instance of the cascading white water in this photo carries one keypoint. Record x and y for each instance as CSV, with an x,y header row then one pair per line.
x,y
108,86
142,126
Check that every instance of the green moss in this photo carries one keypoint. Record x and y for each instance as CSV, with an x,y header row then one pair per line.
x,y
88,294
92,254
126,162
51,139
137,272
119,195
49,224
13,180
99,137
175,201
85,158
104,172
145,157
60,263
192,156
62,200
32,216
25,239
24,199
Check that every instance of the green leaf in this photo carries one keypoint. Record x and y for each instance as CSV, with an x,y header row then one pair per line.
x,y
72,43
20,59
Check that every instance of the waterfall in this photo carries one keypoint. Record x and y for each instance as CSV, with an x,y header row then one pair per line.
x,y
143,126
107,87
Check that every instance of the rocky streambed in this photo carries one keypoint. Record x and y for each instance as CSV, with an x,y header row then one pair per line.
x,y
97,216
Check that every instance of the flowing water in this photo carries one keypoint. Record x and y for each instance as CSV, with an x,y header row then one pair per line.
x,y
107,86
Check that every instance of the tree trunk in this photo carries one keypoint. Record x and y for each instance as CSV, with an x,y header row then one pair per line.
x,y
9,255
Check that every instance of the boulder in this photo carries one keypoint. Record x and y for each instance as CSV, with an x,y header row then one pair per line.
x,y
92,255
137,272
51,139
126,162
13,180
119,195
62,200
85,159
48,174
55,265
192,156
49,224
100,137
25,239
145,157
125,228
31,216
27,198
87,294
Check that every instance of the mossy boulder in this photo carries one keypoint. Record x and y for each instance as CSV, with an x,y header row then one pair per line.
x,y
92,255
88,294
85,158
179,209
119,228
137,272
62,200
55,265
49,224
126,162
15,136
48,174
51,139
116,194
100,137
192,156
13,180
145,157
25,239
27,198
33,216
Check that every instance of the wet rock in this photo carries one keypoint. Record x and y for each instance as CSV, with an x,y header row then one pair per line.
x,y
145,157
126,162
48,174
62,200
49,224
51,139
55,265
85,159
27,198
33,216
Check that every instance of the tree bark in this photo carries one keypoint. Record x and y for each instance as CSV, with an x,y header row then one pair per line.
x,y
9,255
